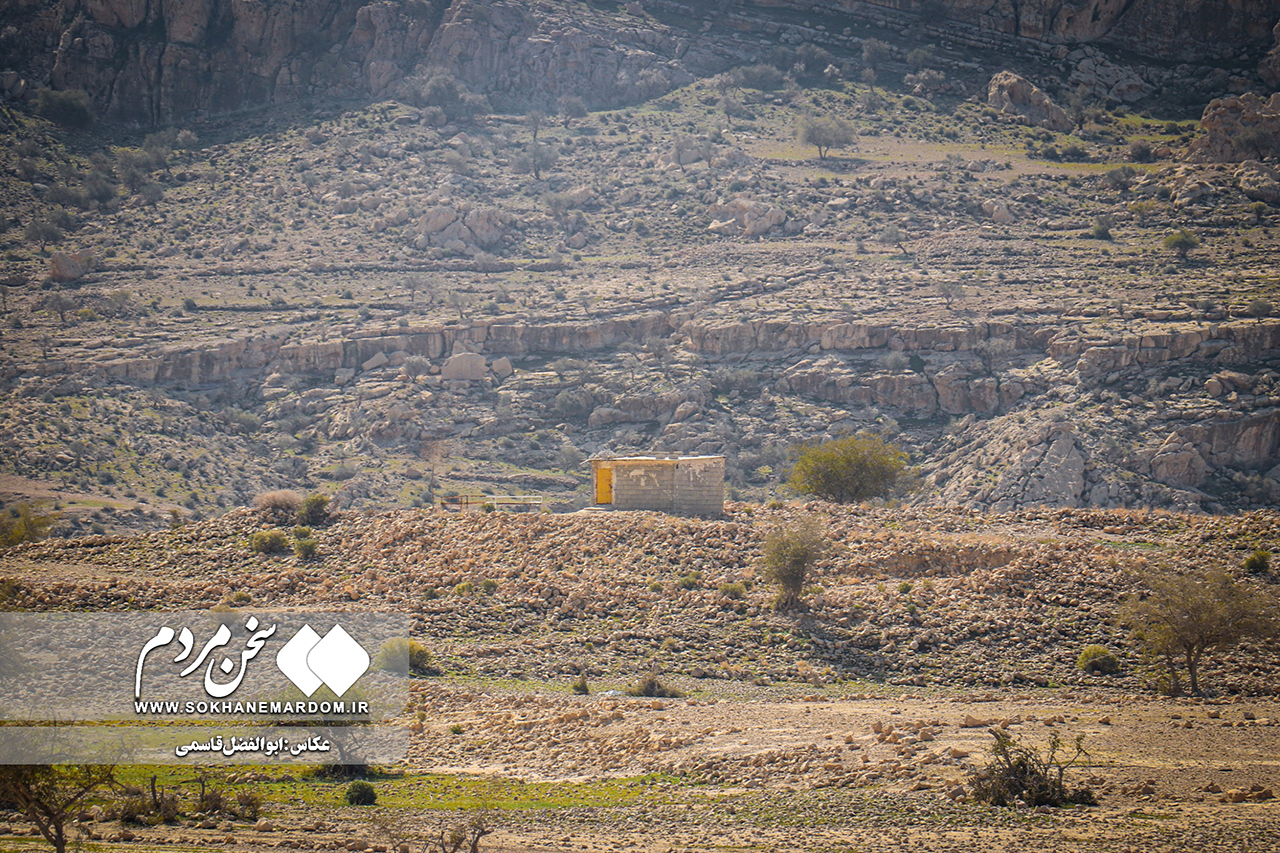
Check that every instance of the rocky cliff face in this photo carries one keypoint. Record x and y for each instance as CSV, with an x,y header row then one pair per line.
x,y
166,61
1179,30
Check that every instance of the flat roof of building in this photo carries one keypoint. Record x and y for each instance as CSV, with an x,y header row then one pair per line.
x,y
653,457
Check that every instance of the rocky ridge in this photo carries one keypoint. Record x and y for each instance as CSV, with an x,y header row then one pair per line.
x,y
155,63
1213,421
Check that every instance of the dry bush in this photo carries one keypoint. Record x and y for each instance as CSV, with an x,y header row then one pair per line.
x,y
649,686
1020,773
281,500
789,553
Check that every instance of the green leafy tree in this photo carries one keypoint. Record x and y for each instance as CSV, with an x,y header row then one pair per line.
x,y
49,795
1260,309
58,304
42,232
536,158
825,133
25,523
874,53
851,469
1181,242
1185,617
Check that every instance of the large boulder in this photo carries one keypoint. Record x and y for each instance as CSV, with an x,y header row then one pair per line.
x,y
1016,96
1269,67
1258,181
65,267
465,365
1240,128
745,216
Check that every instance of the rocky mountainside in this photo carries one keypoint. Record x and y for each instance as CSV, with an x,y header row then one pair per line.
x,y
402,282
154,63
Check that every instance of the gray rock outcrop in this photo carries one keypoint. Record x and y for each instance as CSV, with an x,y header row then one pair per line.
x,y
1016,96
1245,127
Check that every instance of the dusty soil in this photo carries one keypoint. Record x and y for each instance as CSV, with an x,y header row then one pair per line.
x,y
855,723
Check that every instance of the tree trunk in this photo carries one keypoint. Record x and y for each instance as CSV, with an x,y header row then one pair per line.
x,y
1193,682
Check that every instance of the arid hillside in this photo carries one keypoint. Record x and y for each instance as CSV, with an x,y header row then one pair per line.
x,y
1044,267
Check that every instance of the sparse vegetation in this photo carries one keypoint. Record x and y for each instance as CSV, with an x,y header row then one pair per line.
x,y
50,795
1098,659
1185,617
850,469
1022,774
788,555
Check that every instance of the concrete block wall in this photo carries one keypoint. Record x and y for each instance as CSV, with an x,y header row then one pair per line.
x,y
640,485
684,487
699,487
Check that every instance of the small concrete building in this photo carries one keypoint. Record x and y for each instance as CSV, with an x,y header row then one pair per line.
x,y
681,485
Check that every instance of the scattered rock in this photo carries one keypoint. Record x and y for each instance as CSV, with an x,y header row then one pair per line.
x,y
374,362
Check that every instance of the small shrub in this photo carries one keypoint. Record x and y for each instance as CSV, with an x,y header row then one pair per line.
x,y
211,802
457,729
488,586
652,688
314,509
733,589
248,804
464,588
655,586
1181,242
788,554
283,500
361,793
305,548
763,77
692,580
70,108
399,651
134,809
168,807
25,523
579,685
1098,659
239,597
269,541
1020,773
1259,562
